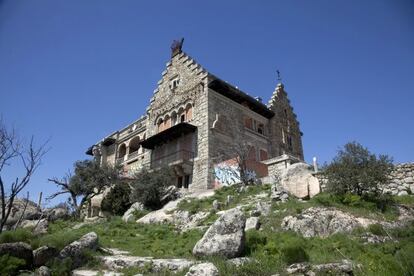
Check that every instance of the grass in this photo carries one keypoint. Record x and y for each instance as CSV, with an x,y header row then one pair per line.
x,y
197,205
271,248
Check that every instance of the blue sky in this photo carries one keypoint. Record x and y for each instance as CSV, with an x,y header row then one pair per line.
x,y
74,71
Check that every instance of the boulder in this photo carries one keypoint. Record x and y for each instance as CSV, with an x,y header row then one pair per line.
x,y
86,272
57,213
171,193
343,268
76,248
43,254
38,226
225,237
216,205
203,269
322,222
252,223
43,271
129,214
278,193
117,262
261,209
19,250
186,221
298,180
32,212
240,261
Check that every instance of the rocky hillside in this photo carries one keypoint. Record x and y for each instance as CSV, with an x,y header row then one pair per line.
x,y
237,230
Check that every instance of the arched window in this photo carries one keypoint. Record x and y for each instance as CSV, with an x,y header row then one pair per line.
x,y
181,115
134,145
173,118
167,121
189,112
160,125
122,151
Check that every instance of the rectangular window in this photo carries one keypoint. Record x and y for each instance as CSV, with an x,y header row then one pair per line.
x,y
186,181
179,182
248,122
263,155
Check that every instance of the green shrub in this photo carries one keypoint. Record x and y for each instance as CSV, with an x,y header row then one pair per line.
x,y
294,252
10,265
19,235
60,267
149,186
376,229
351,199
355,170
117,200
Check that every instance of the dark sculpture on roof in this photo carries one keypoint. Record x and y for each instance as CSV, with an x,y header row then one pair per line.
x,y
176,46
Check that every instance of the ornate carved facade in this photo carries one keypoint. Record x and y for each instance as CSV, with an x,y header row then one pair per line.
x,y
192,116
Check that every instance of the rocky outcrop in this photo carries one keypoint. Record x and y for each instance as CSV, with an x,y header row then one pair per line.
x,y
38,226
43,254
278,194
57,213
252,223
42,271
129,214
32,212
203,269
170,193
225,237
184,220
117,262
87,272
298,180
322,222
240,261
261,209
19,250
75,249
343,268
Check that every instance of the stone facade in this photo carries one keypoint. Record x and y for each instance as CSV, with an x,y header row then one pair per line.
x,y
192,117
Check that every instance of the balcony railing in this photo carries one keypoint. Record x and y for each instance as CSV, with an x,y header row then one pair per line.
x,y
128,157
178,156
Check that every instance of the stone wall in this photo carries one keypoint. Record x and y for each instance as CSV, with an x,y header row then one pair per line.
x,y
401,180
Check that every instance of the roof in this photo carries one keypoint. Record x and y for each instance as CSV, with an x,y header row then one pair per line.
x,y
169,134
240,97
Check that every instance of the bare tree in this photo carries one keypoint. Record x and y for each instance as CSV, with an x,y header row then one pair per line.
x,y
89,179
65,188
12,150
233,159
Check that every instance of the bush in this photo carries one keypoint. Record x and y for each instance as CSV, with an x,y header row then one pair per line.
x,y
293,252
19,235
377,229
10,265
117,201
148,187
357,171
60,267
